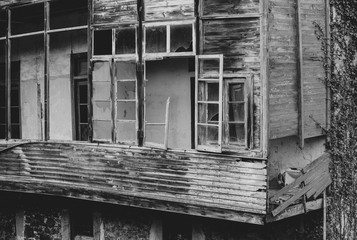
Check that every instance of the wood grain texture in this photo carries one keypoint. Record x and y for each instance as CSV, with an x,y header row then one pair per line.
x,y
114,11
168,9
226,8
195,183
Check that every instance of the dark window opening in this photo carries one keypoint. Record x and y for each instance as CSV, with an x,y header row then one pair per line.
x,y
181,38
156,39
27,19
68,13
80,97
125,41
177,228
103,42
3,23
81,224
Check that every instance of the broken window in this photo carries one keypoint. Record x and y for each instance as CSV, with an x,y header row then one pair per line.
x,y
3,23
181,38
27,19
102,42
68,13
125,41
126,102
156,39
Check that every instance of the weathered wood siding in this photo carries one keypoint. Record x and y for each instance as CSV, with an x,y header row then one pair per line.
x,y
224,7
168,9
216,186
313,71
283,68
114,11
283,92
239,41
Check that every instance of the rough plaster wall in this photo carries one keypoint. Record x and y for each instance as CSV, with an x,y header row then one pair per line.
x,y
61,47
285,153
170,78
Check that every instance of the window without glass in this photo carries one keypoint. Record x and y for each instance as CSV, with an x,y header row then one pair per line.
x,y
156,39
102,42
27,19
68,13
3,23
181,38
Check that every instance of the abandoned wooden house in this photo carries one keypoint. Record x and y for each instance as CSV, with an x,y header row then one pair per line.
x,y
159,110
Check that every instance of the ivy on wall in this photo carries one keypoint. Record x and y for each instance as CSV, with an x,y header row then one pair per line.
x,y
341,61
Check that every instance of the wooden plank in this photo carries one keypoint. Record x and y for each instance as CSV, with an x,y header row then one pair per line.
x,y
98,226
156,10
228,8
296,210
20,224
299,77
140,74
89,67
8,77
166,137
114,11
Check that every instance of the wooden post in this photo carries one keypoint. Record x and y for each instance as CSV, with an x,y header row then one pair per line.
x,y
65,225
328,72
89,73
46,69
113,97
197,232
156,231
140,72
8,77
300,78
166,139
98,226
324,217
20,224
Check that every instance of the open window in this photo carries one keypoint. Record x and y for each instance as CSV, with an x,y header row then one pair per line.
x,y
208,109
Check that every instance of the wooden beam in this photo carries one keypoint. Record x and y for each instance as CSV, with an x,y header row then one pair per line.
x,y
46,69
197,232
98,226
328,59
89,67
300,77
65,225
113,96
167,116
324,215
20,224
296,210
8,77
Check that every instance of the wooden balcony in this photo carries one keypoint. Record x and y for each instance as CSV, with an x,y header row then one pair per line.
x,y
189,182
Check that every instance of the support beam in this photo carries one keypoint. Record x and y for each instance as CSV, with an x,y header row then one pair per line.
x,y
328,60
20,224
156,231
299,77
140,73
46,69
98,226
89,73
8,77
65,225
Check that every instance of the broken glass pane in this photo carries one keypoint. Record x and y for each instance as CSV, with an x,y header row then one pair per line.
x,y
181,38
125,41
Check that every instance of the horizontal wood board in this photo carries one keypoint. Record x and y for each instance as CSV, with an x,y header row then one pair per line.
x,y
283,52
156,10
228,8
156,179
114,11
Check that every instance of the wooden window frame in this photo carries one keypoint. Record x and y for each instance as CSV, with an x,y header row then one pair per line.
x,y
219,80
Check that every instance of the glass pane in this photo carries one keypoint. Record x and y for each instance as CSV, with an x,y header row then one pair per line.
x,y
126,110
83,94
125,41
236,92
2,115
207,135
237,133
126,90
126,132
15,97
27,19
181,38
208,91
68,13
103,42
84,132
2,95
15,131
125,70
236,112
208,68
208,113
2,131
83,114
80,68
156,39
15,115
3,23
